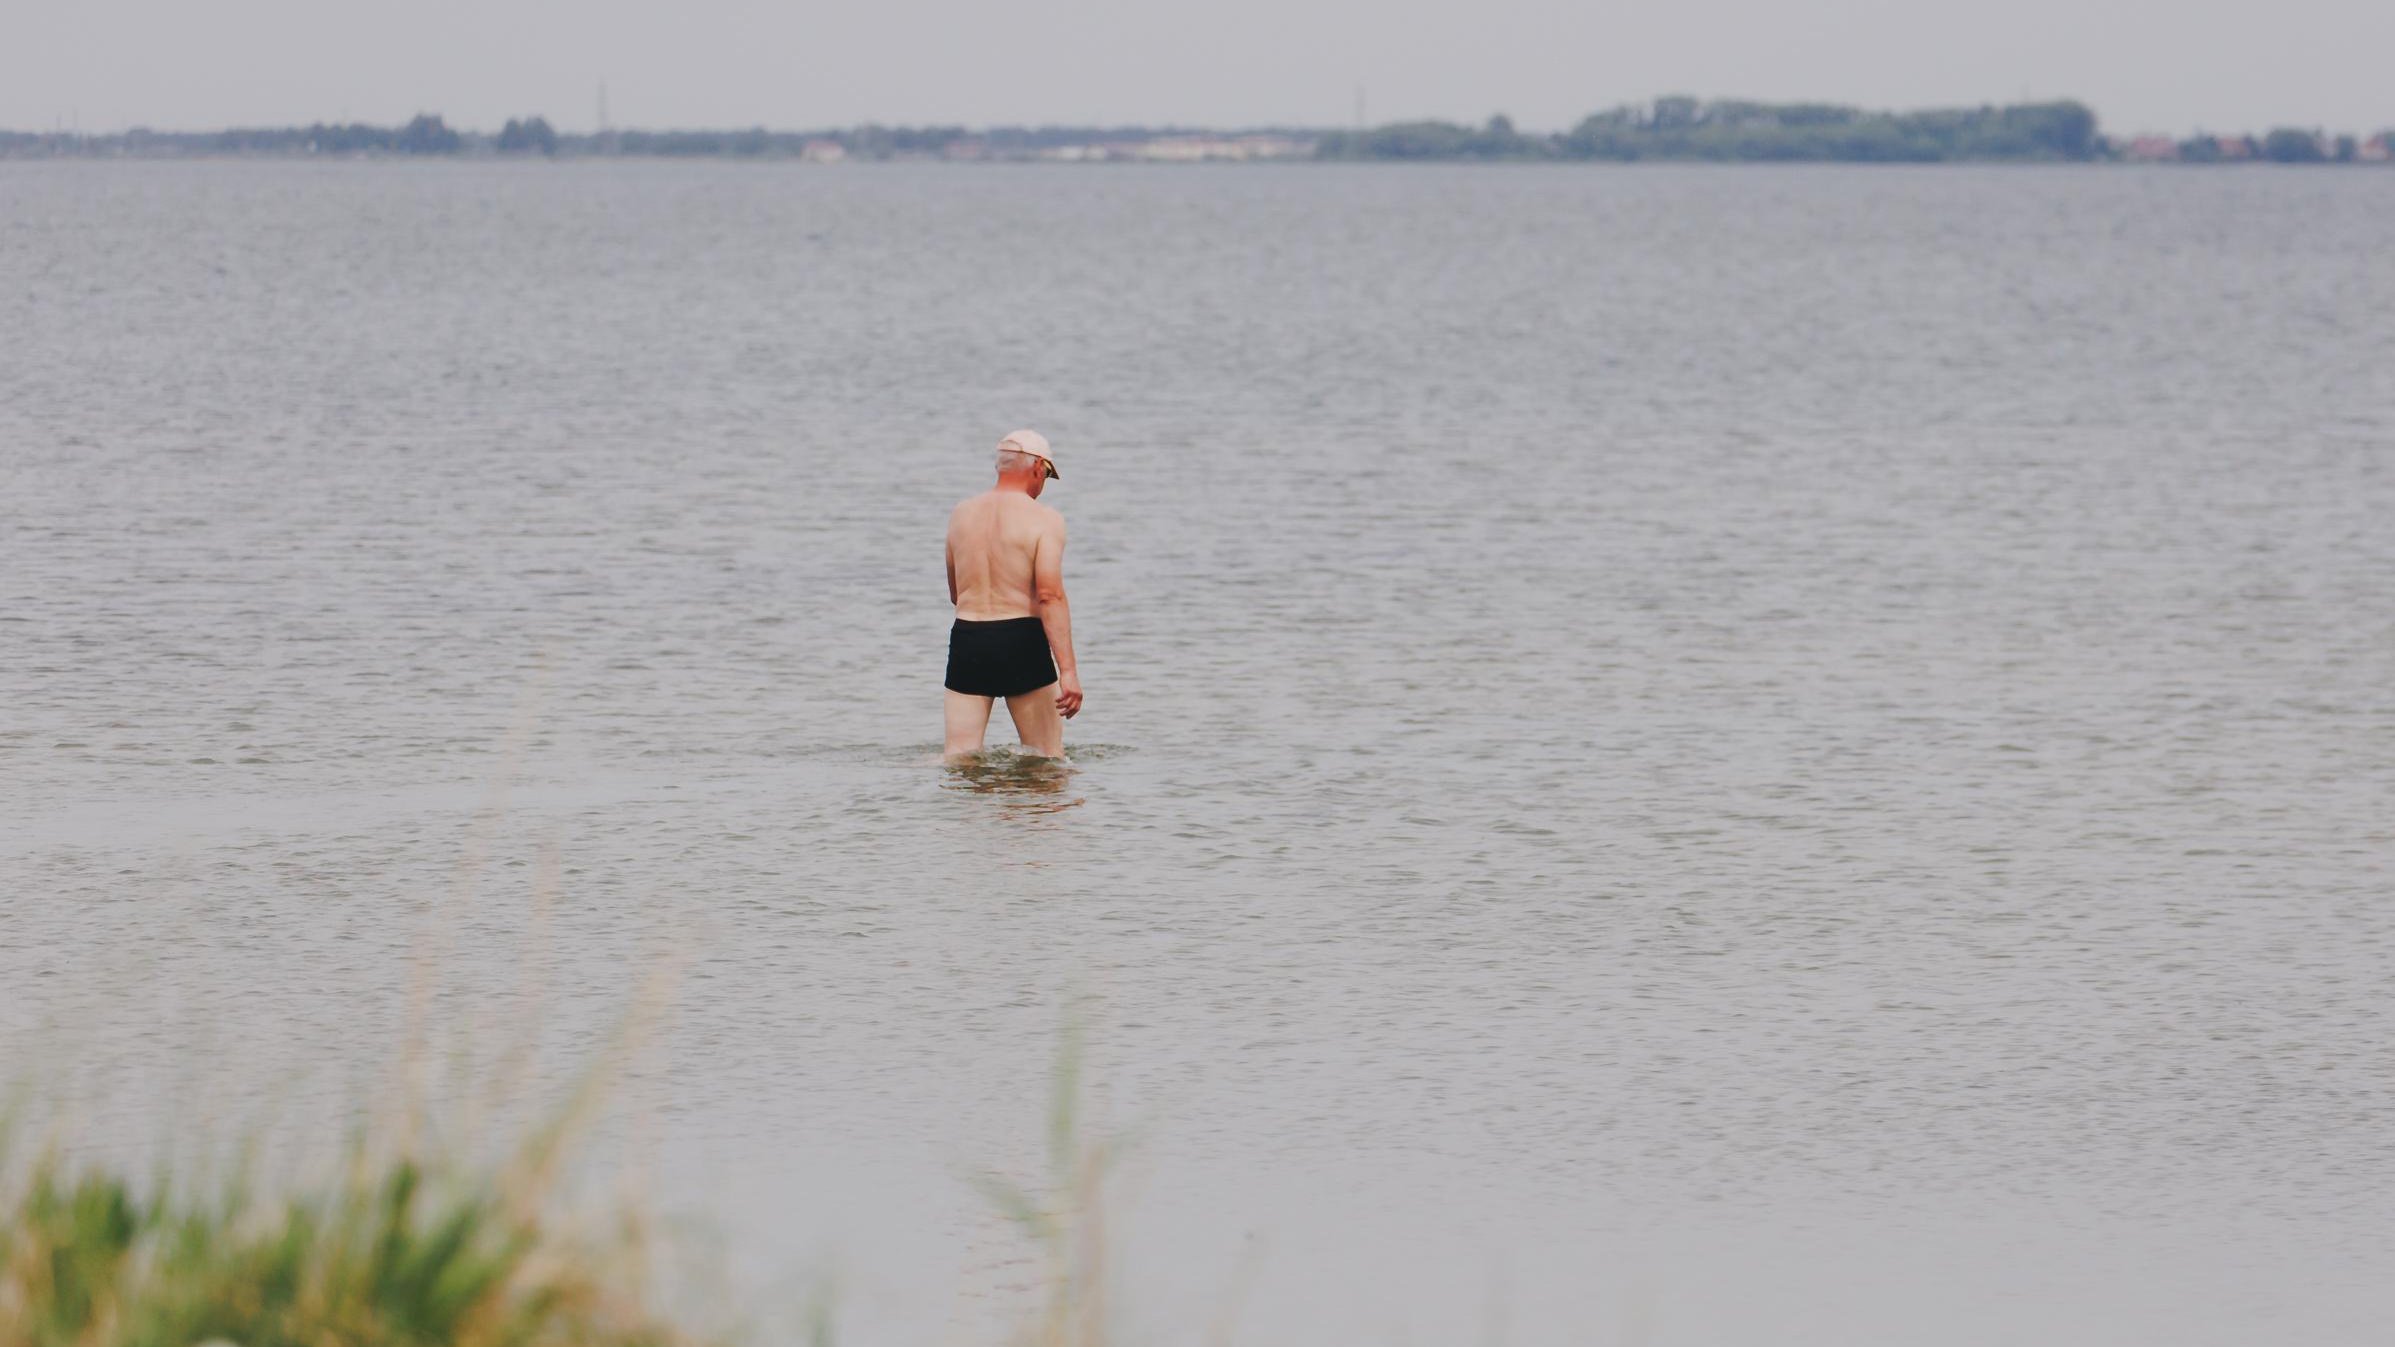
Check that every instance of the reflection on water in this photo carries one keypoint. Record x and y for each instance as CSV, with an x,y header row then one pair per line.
x,y
1024,783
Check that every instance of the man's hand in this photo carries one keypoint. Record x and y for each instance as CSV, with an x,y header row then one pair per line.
x,y
1068,694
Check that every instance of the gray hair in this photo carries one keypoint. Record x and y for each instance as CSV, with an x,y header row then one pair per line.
x,y
1011,459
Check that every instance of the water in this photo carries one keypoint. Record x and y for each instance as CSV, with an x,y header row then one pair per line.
x,y
1673,755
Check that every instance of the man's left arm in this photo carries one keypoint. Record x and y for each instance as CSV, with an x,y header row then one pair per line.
x,y
1055,614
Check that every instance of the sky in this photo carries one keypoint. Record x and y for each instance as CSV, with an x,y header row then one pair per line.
x,y
2163,65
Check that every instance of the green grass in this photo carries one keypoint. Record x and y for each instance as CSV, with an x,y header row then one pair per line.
x,y
406,1246
404,1251
402,1241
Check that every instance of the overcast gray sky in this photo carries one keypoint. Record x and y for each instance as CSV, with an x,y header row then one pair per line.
x,y
2175,65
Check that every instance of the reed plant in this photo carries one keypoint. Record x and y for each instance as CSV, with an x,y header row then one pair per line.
x,y
400,1257
428,1229
1064,1214
402,1245
408,1245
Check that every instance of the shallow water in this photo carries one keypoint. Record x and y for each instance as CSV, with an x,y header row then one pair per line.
x,y
1673,755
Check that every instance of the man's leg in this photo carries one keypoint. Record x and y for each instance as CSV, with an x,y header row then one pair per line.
x,y
968,719
1037,722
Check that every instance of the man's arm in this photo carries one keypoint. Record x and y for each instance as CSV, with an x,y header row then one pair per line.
x,y
951,551
1055,615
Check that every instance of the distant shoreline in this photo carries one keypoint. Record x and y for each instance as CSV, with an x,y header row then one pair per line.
x,y
1668,130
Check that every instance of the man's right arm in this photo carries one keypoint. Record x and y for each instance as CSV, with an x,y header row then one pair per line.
x,y
1055,614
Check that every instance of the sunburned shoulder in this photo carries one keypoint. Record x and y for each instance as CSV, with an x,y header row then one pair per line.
x,y
1007,503
1022,505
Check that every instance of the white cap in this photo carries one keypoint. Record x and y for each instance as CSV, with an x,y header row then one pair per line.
x,y
1035,444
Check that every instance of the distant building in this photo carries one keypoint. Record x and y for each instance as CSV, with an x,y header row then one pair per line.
x,y
2235,147
2379,149
820,151
1175,149
1274,147
2151,150
1200,149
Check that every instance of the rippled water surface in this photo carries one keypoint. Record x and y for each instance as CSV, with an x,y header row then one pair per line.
x,y
1672,755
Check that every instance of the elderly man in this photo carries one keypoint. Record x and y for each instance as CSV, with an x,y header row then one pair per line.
x,y
1013,636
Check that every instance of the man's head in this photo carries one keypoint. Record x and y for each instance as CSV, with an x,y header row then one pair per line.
x,y
1025,461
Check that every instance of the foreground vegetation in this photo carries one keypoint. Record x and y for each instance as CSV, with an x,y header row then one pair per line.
x,y
401,1255
401,1244
418,1249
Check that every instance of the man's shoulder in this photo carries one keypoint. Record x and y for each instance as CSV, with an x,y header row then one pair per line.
x,y
1027,508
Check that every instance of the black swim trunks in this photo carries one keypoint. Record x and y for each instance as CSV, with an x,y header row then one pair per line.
x,y
1005,658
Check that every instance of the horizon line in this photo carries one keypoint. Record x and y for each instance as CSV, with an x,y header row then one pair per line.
x,y
1129,127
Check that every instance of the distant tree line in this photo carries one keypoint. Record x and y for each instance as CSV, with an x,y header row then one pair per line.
x,y
2280,145
530,135
427,134
2290,145
1672,128
863,142
1687,128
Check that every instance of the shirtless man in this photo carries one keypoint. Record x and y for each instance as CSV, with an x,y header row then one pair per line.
x,y
1006,578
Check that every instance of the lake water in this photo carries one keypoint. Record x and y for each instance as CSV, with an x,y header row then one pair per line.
x,y
1674,755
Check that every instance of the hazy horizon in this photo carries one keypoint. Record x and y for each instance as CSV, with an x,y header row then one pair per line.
x,y
2143,65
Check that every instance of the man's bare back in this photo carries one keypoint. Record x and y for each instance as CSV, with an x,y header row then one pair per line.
x,y
993,547
1013,636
